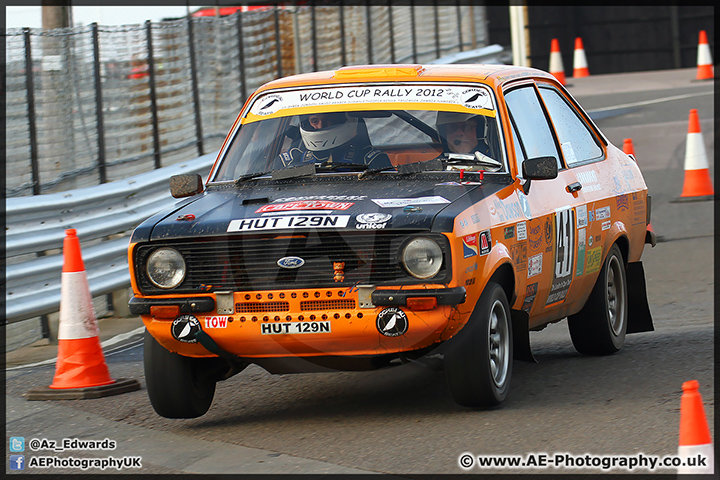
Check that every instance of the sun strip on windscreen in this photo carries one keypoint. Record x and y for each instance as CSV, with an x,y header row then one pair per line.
x,y
452,98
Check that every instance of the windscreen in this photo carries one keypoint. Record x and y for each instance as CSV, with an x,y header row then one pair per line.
x,y
373,127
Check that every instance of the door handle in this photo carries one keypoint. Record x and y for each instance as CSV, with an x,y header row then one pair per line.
x,y
574,187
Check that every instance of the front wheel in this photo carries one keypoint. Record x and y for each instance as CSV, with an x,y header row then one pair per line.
x,y
599,328
478,363
178,386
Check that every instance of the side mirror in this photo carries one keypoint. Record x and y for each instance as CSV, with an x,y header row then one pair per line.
x,y
540,168
186,185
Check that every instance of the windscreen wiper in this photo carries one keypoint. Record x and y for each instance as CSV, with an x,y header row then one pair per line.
x,y
280,174
339,166
250,176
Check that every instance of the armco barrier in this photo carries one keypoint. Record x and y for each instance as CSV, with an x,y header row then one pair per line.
x,y
37,224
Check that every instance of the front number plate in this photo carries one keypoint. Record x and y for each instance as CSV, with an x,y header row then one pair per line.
x,y
294,327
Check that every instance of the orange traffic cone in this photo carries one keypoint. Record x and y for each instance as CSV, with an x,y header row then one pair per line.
x,y
704,59
695,445
628,148
556,63
80,369
580,66
697,185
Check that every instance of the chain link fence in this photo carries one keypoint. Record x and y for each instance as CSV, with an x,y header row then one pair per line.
x,y
95,104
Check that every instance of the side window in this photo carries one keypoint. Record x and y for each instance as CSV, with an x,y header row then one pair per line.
x,y
578,143
530,125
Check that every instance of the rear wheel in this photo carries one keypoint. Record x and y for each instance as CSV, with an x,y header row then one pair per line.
x,y
478,363
599,328
178,386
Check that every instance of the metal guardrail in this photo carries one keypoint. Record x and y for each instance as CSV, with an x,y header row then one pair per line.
x,y
37,224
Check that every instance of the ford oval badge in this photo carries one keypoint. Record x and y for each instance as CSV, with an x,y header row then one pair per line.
x,y
291,262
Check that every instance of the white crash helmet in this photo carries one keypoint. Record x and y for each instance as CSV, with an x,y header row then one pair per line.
x,y
344,130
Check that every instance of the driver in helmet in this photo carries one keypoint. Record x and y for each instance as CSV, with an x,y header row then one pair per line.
x,y
334,138
463,132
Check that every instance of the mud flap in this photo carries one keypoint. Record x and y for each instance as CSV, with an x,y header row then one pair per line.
x,y
521,336
639,317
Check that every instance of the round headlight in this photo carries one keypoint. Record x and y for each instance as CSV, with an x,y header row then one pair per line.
x,y
166,268
422,257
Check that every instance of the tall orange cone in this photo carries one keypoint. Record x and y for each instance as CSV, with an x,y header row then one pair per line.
x,y
80,369
704,59
697,185
628,147
695,446
556,63
580,66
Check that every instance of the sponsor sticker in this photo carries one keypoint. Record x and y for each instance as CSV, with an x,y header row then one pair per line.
x,y
521,231
602,213
184,328
304,205
622,202
606,225
594,259
403,202
530,293
485,242
475,98
582,218
589,181
581,252
392,322
509,232
518,251
535,265
470,245
216,321
290,221
268,105
372,221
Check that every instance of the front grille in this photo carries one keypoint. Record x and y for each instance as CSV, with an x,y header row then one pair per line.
x,y
250,262
255,307
327,305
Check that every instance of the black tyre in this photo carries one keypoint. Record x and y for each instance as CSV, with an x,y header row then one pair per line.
x,y
599,328
178,386
478,362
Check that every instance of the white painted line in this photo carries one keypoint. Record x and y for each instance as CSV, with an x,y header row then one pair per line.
x,y
650,102
106,344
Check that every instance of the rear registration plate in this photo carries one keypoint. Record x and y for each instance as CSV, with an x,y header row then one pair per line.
x,y
294,327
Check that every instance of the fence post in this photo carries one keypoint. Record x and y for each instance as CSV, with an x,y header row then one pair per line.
x,y
343,53
437,30
458,9
313,26
153,95
368,26
32,118
102,167
412,29
278,49
195,92
241,59
392,32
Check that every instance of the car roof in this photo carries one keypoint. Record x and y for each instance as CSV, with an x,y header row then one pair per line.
x,y
491,74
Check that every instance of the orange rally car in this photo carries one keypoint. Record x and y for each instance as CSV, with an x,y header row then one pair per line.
x,y
365,217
